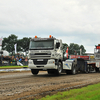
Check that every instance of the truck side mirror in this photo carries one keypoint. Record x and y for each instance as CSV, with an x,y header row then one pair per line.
x,y
57,45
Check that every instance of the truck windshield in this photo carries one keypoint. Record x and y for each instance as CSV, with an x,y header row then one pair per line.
x,y
45,44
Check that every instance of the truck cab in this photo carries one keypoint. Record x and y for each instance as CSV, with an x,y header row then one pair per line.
x,y
45,54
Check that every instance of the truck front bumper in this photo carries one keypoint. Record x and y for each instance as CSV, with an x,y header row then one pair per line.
x,y
50,65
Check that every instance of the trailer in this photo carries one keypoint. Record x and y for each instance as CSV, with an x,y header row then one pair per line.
x,y
90,64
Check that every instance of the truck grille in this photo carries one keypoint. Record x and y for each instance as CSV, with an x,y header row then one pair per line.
x,y
40,55
36,62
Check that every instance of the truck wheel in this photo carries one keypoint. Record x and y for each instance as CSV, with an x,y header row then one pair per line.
x,y
96,69
73,71
34,71
59,68
88,69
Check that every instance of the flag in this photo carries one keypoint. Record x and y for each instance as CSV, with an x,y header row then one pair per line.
x,y
15,46
1,41
67,52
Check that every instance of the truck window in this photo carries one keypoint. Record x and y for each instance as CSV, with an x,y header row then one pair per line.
x,y
47,44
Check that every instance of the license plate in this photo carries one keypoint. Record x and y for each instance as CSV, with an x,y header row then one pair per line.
x,y
39,59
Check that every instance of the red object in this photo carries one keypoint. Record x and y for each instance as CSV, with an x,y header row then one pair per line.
x,y
78,56
67,52
35,36
50,36
97,47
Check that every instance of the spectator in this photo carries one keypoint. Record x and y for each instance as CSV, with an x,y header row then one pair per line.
x,y
20,59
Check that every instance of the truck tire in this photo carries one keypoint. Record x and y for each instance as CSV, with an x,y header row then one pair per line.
x,y
72,71
88,69
96,69
59,68
34,71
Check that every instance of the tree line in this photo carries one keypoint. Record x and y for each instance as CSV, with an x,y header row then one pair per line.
x,y
23,45
74,49
9,42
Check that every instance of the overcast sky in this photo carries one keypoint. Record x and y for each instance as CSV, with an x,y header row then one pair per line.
x,y
73,21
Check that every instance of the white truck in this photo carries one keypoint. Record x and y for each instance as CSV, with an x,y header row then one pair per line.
x,y
47,54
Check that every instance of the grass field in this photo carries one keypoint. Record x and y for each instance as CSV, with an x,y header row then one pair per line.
x,y
9,67
91,92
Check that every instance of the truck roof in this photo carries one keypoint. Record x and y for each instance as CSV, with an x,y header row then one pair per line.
x,y
40,39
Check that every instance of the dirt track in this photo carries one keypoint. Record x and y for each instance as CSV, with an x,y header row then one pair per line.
x,y
24,85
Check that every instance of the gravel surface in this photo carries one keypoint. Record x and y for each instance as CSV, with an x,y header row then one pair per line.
x,y
24,85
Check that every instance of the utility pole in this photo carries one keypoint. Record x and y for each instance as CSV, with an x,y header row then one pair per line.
x,y
80,51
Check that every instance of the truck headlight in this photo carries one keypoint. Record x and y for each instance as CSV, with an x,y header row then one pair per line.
x,y
51,62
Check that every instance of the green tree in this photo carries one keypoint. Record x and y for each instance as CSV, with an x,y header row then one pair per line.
x,y
8,43
23,44
19,45
82,49
74,49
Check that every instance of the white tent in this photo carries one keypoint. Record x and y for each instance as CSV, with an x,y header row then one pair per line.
x,y
5,53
